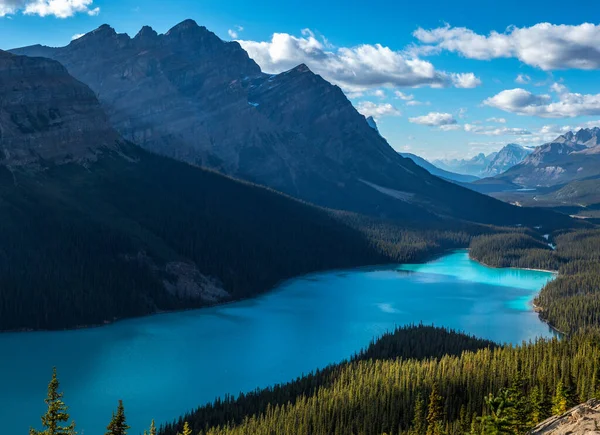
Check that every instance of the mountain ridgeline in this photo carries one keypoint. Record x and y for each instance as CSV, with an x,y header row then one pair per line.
x,y
189,95
571,156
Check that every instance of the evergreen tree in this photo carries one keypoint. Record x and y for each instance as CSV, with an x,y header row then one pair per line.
x,y
57,412
419,425
435,412
518,411
118,424
537,406
186,429
498,420
560,401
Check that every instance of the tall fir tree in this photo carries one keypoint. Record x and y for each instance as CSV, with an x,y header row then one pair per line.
x,y
419,425
560,401
56,414
435,412
118,424
186,429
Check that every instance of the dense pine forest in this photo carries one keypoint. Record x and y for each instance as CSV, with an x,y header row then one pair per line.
x,y
570,302
419,380
72,252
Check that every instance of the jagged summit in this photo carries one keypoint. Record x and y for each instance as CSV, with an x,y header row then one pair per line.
x,y
146,32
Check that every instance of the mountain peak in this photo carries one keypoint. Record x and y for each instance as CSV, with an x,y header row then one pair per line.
x,y
302,68
146,35
184,27
104,29
145,32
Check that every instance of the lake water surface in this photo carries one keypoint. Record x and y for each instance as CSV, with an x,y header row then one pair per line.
x,y
162,366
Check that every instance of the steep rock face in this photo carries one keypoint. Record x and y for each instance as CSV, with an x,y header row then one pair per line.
x,y
189,95
581,420
46,114
572,156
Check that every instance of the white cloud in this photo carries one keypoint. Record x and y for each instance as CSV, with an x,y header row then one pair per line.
x,y
353,68
566,105
544,45
417,103
44,8
523,79
466,80
434,119
379,93
449,127
235,32
495,131
77,36
368,108
497,120
403,96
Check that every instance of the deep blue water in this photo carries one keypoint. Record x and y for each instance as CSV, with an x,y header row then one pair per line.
x,y
163,365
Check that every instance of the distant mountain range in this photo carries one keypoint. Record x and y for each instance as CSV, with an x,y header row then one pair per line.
x,y
572,156
489,165
434,170
189,95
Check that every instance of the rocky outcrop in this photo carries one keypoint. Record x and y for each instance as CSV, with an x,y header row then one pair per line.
x,y
581,420
45,114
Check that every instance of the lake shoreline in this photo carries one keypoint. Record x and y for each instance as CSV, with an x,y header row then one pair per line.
x,y
278,285
537,309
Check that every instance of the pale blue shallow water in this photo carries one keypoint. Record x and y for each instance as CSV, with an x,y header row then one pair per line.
x,y
163,365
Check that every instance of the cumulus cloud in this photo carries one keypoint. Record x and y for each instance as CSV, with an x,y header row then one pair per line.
x,y
465,80
544,45
497,120
434,119
353,68
44,8
523,79
565,105
368,108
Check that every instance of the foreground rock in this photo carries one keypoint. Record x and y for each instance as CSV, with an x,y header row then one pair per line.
x,y
583,419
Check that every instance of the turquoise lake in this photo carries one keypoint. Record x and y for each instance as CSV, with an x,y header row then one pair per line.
x,y
162,366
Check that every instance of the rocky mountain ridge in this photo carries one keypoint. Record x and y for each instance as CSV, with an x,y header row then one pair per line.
x,y
571,156
189,95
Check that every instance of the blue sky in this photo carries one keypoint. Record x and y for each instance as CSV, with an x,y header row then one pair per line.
x,y
432,73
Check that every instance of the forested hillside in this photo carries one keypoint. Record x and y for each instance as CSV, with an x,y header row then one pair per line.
x,y
135,233
436,387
